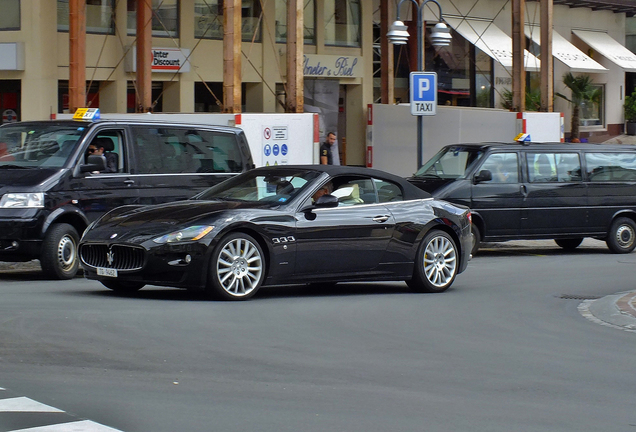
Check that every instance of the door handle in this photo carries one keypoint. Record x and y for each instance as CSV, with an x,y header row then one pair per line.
x,y
381,218
129,182
524,190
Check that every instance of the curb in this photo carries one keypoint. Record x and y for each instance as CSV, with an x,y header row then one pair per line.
x,y
616,311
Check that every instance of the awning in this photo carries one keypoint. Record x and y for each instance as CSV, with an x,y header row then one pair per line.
x,y
492,40
567,53
608,48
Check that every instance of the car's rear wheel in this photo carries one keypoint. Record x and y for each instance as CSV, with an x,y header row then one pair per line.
x,y
436,263
59,259
569,244
123,287
622,235
238,267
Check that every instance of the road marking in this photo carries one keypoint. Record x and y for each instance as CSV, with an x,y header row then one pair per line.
x,y
24,404
78,426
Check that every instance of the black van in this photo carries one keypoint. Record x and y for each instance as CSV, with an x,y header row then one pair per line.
x,y
51,188
556,191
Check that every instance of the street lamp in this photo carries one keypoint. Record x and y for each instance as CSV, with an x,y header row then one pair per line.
x,y
440,37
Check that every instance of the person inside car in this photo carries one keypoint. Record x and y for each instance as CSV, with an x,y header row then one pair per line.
x,y
96,148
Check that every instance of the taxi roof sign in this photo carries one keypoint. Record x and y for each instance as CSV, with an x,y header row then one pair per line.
x,y
86,114
522,137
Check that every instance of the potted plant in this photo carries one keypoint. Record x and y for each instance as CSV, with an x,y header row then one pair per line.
x,y
630,114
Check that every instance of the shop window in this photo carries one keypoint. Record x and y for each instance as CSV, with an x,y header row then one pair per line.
x,y
10,16
165,18
208,20
99,16
591,112
342,22
309,21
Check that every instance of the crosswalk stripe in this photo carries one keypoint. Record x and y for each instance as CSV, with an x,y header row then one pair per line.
x,y
24,404
78,426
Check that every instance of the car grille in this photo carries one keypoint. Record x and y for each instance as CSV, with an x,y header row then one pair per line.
x,y
116,256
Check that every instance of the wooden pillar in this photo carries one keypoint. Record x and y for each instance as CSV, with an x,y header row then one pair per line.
x,y
295,48
232,56
144,56
387,85
547,62
77,54
518,47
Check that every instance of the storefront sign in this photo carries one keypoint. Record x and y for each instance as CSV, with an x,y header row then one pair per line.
x,y
170,60
332,66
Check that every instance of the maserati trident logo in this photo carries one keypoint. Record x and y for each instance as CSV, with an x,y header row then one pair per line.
x,y
110,257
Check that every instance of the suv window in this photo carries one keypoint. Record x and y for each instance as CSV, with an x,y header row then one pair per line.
x,y
603,167
182,150
553,167
503,166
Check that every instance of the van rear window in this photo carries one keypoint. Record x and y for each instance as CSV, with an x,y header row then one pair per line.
x,y
181,150
608,167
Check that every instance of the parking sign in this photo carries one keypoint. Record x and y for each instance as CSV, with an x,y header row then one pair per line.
x,y
423,93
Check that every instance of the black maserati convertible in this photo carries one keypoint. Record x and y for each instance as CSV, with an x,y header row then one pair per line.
x,y
283,225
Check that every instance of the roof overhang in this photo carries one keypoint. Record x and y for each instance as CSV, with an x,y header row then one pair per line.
x,y
609,48
492,40
628,7
565,52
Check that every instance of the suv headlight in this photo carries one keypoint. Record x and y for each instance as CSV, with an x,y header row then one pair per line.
x,y
192,233
22,200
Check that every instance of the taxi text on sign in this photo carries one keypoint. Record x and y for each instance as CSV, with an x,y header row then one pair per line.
x,y
423,93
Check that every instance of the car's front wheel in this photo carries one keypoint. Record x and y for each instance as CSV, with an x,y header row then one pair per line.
x,y
59,259
569,244
436,263
476,234
237,269
622,235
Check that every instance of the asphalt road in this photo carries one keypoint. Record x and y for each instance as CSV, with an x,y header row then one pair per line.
x,y
505,349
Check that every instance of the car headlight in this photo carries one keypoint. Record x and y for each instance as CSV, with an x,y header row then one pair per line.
x,y
192,233
22,200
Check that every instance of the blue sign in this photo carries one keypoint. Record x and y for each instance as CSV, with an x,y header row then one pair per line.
x,y
283,149
423,93
267,149
276,149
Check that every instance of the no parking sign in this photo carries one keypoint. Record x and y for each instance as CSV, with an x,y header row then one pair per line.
x,y
9,116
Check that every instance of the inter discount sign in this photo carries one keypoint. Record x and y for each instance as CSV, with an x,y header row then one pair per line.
x,y
423,93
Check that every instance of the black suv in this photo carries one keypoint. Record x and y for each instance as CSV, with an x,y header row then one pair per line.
x,y
555,191
52,188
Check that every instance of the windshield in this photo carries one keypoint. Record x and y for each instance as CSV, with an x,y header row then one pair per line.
x,y
29,145
451,163
273,187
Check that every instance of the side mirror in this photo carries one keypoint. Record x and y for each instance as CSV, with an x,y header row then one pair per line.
x,y
326,201
94,163
484,175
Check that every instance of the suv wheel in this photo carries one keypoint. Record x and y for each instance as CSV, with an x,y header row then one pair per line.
x,y
622,235
59,259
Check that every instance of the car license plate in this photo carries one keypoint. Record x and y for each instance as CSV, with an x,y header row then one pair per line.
x,y
101,271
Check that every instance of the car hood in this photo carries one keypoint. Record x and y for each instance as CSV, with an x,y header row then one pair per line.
x,y
24,179
429,184
137,223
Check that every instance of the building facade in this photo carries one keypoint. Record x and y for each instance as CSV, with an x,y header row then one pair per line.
x,y
341,58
